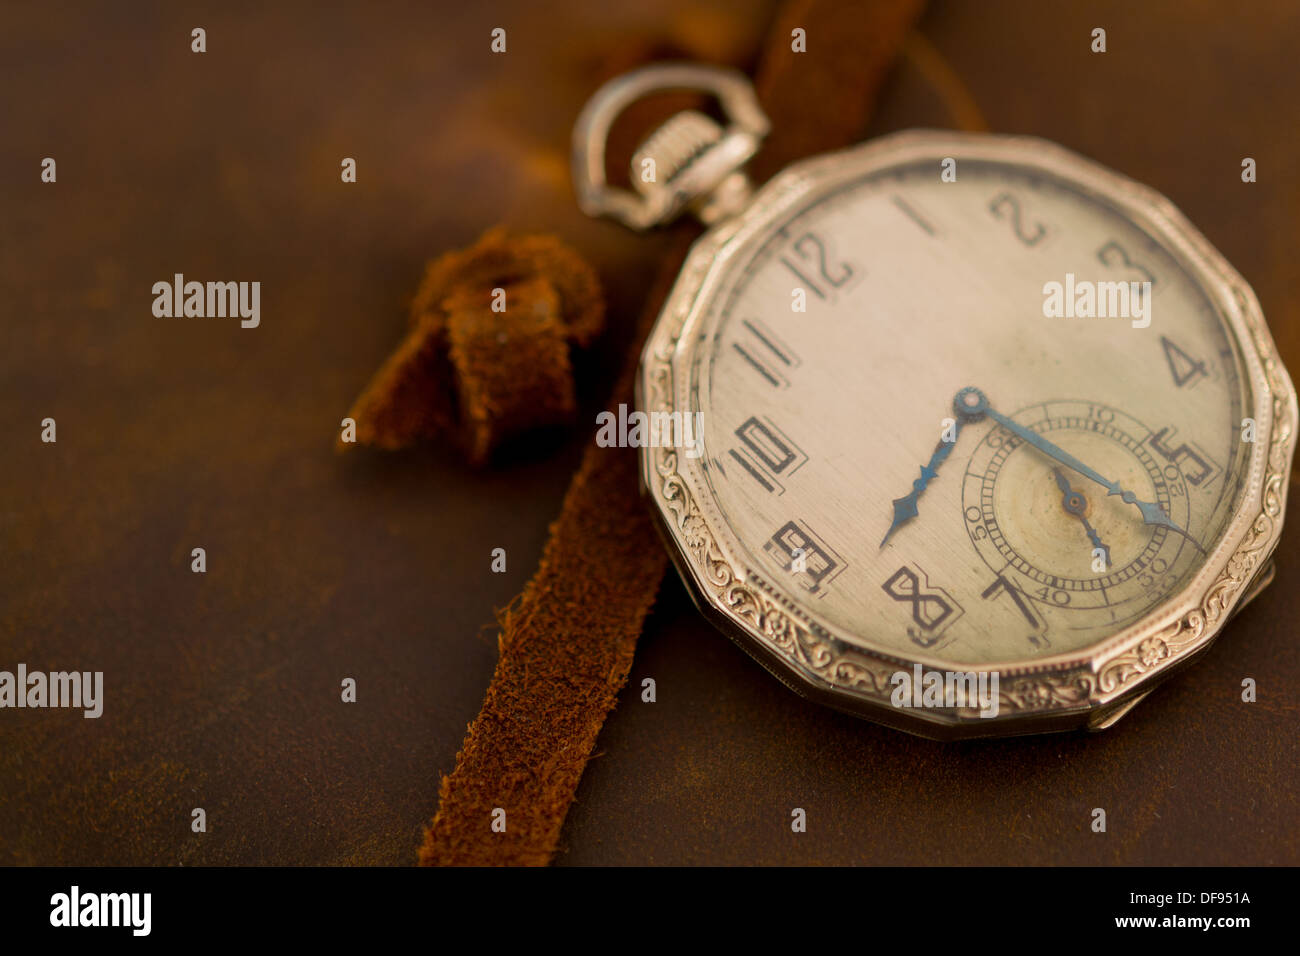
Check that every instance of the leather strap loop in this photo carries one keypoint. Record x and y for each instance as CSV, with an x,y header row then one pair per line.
x,y
478,373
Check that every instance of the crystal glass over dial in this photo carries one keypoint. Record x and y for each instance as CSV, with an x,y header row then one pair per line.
x,y
946,455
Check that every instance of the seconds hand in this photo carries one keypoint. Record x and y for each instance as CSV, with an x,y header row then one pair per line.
x,y
1152,513
1076,504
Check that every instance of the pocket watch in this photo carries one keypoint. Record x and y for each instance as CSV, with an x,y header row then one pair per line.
x,y
990,438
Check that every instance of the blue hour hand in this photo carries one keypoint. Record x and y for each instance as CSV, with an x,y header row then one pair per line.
x,y
905,508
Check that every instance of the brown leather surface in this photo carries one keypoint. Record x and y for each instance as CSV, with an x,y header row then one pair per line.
x,y
222,690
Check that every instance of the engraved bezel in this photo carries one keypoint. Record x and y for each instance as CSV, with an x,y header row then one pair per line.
x,y
769,618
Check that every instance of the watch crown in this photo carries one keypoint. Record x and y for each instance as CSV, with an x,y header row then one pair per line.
x,y
678,167
689,163
670,149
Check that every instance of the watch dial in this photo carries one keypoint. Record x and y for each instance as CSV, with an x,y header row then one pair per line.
x,y
984,420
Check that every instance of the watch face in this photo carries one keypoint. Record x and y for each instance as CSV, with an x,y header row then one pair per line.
x,y
971,407
916,289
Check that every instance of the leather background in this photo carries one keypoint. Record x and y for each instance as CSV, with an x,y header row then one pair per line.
x,y
222,689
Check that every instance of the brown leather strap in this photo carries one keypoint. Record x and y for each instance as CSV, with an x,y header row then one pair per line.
x,y
820,99
480,374
566,648
567,643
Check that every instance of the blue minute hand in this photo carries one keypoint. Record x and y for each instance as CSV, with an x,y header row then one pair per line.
x,y
1152,513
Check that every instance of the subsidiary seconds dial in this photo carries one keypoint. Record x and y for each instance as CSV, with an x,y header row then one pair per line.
x,y
1065,540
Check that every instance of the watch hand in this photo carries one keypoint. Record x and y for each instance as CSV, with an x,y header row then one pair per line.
x,y
1075,503
905,507
1151,512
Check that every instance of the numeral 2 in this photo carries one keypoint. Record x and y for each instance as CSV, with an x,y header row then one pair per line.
x,y
809,247
1006,205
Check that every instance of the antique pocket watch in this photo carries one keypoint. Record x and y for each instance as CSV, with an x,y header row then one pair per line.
x,y
991,439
